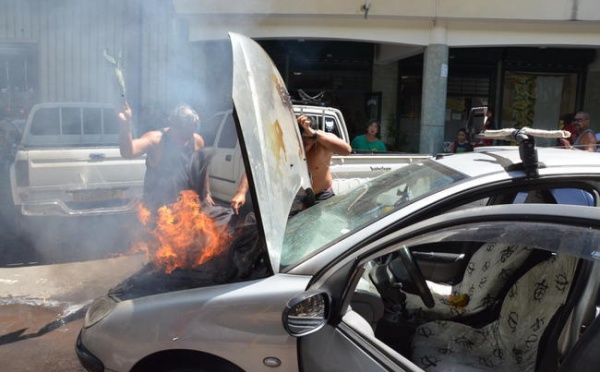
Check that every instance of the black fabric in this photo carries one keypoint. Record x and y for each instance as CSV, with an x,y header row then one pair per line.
x,y
245,258
198,172
248,256
322,196
164,181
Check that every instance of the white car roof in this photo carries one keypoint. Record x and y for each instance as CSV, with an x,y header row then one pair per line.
x,y
492,159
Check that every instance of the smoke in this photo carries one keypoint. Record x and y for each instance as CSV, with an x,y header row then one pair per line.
x,y
162,68
63,43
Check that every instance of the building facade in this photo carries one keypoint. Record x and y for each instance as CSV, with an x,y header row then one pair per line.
x,y
417,66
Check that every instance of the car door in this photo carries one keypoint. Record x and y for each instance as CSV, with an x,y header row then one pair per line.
x,y
348,342
447,266
226,162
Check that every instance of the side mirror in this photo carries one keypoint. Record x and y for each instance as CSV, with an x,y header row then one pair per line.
x,y
306,313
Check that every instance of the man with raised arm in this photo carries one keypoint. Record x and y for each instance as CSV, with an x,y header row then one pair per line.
x,y
319,147
170,153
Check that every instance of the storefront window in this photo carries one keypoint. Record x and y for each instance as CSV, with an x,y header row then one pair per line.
x,y
18,80
537,100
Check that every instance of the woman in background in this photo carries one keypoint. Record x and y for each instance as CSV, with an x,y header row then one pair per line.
x,y
370,140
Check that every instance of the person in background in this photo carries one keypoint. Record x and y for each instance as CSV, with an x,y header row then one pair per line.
x,y
462,143
239,199
172,154
567,123
586,139
319,147
370,140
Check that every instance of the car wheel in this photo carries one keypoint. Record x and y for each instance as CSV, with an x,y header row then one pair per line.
x,y
188,362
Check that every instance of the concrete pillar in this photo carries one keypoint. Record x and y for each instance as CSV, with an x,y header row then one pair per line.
x,y
385,80
592,93
435,81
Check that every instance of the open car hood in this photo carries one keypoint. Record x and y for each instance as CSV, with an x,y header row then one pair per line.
x,y
270,140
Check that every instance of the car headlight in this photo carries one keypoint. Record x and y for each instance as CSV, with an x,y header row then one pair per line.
x,y
99,309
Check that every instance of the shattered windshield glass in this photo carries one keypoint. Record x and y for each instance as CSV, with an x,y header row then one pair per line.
x,y
326,222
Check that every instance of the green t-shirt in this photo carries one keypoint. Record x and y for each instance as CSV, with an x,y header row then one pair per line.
x,y
361,143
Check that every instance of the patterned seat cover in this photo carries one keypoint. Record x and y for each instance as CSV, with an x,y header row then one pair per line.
x,y
488,272
511,342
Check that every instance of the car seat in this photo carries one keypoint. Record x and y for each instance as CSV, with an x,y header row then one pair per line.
x,y
488,272
509,343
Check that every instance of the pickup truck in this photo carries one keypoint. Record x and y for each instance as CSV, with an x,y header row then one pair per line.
x,y
348,171
68,163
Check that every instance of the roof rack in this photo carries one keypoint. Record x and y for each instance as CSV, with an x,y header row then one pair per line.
x,y
525,138
305,99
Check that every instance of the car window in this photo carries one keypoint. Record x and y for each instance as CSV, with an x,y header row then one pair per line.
x,y
363,205
111,123
316,121
523,274
331,125
92,121
556,195
574,197
46,121
74,126
209,128
71,120
228,136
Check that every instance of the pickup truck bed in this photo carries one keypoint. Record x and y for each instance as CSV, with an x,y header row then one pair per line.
x,y
348,171
352,170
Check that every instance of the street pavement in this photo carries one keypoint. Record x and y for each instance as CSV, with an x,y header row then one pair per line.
x,y
51,269
42,309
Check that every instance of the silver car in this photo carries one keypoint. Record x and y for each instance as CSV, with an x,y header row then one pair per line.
x,y
478,261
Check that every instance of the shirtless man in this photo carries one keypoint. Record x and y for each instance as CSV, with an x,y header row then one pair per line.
x,y
169,152
319,147
586,139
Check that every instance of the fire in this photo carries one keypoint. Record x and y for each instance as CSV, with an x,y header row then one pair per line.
x,y
182,236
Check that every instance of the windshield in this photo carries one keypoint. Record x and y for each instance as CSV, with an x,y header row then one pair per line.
x,y
319,226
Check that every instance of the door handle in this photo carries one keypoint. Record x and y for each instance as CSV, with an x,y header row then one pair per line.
x,y
227,157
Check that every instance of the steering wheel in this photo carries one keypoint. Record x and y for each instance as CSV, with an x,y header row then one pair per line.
x,y
413,270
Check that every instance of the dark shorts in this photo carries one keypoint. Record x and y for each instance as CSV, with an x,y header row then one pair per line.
x,y
324,195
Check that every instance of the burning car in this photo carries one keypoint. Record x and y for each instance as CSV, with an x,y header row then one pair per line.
x,y
478,261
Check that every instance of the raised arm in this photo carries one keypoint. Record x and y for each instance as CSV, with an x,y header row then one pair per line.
x,y
130,147
332,142
328,140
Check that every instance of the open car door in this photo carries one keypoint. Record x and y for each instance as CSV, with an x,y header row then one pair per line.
x,y
349,340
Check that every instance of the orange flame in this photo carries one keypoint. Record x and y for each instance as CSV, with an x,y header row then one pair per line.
x,y
183,236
